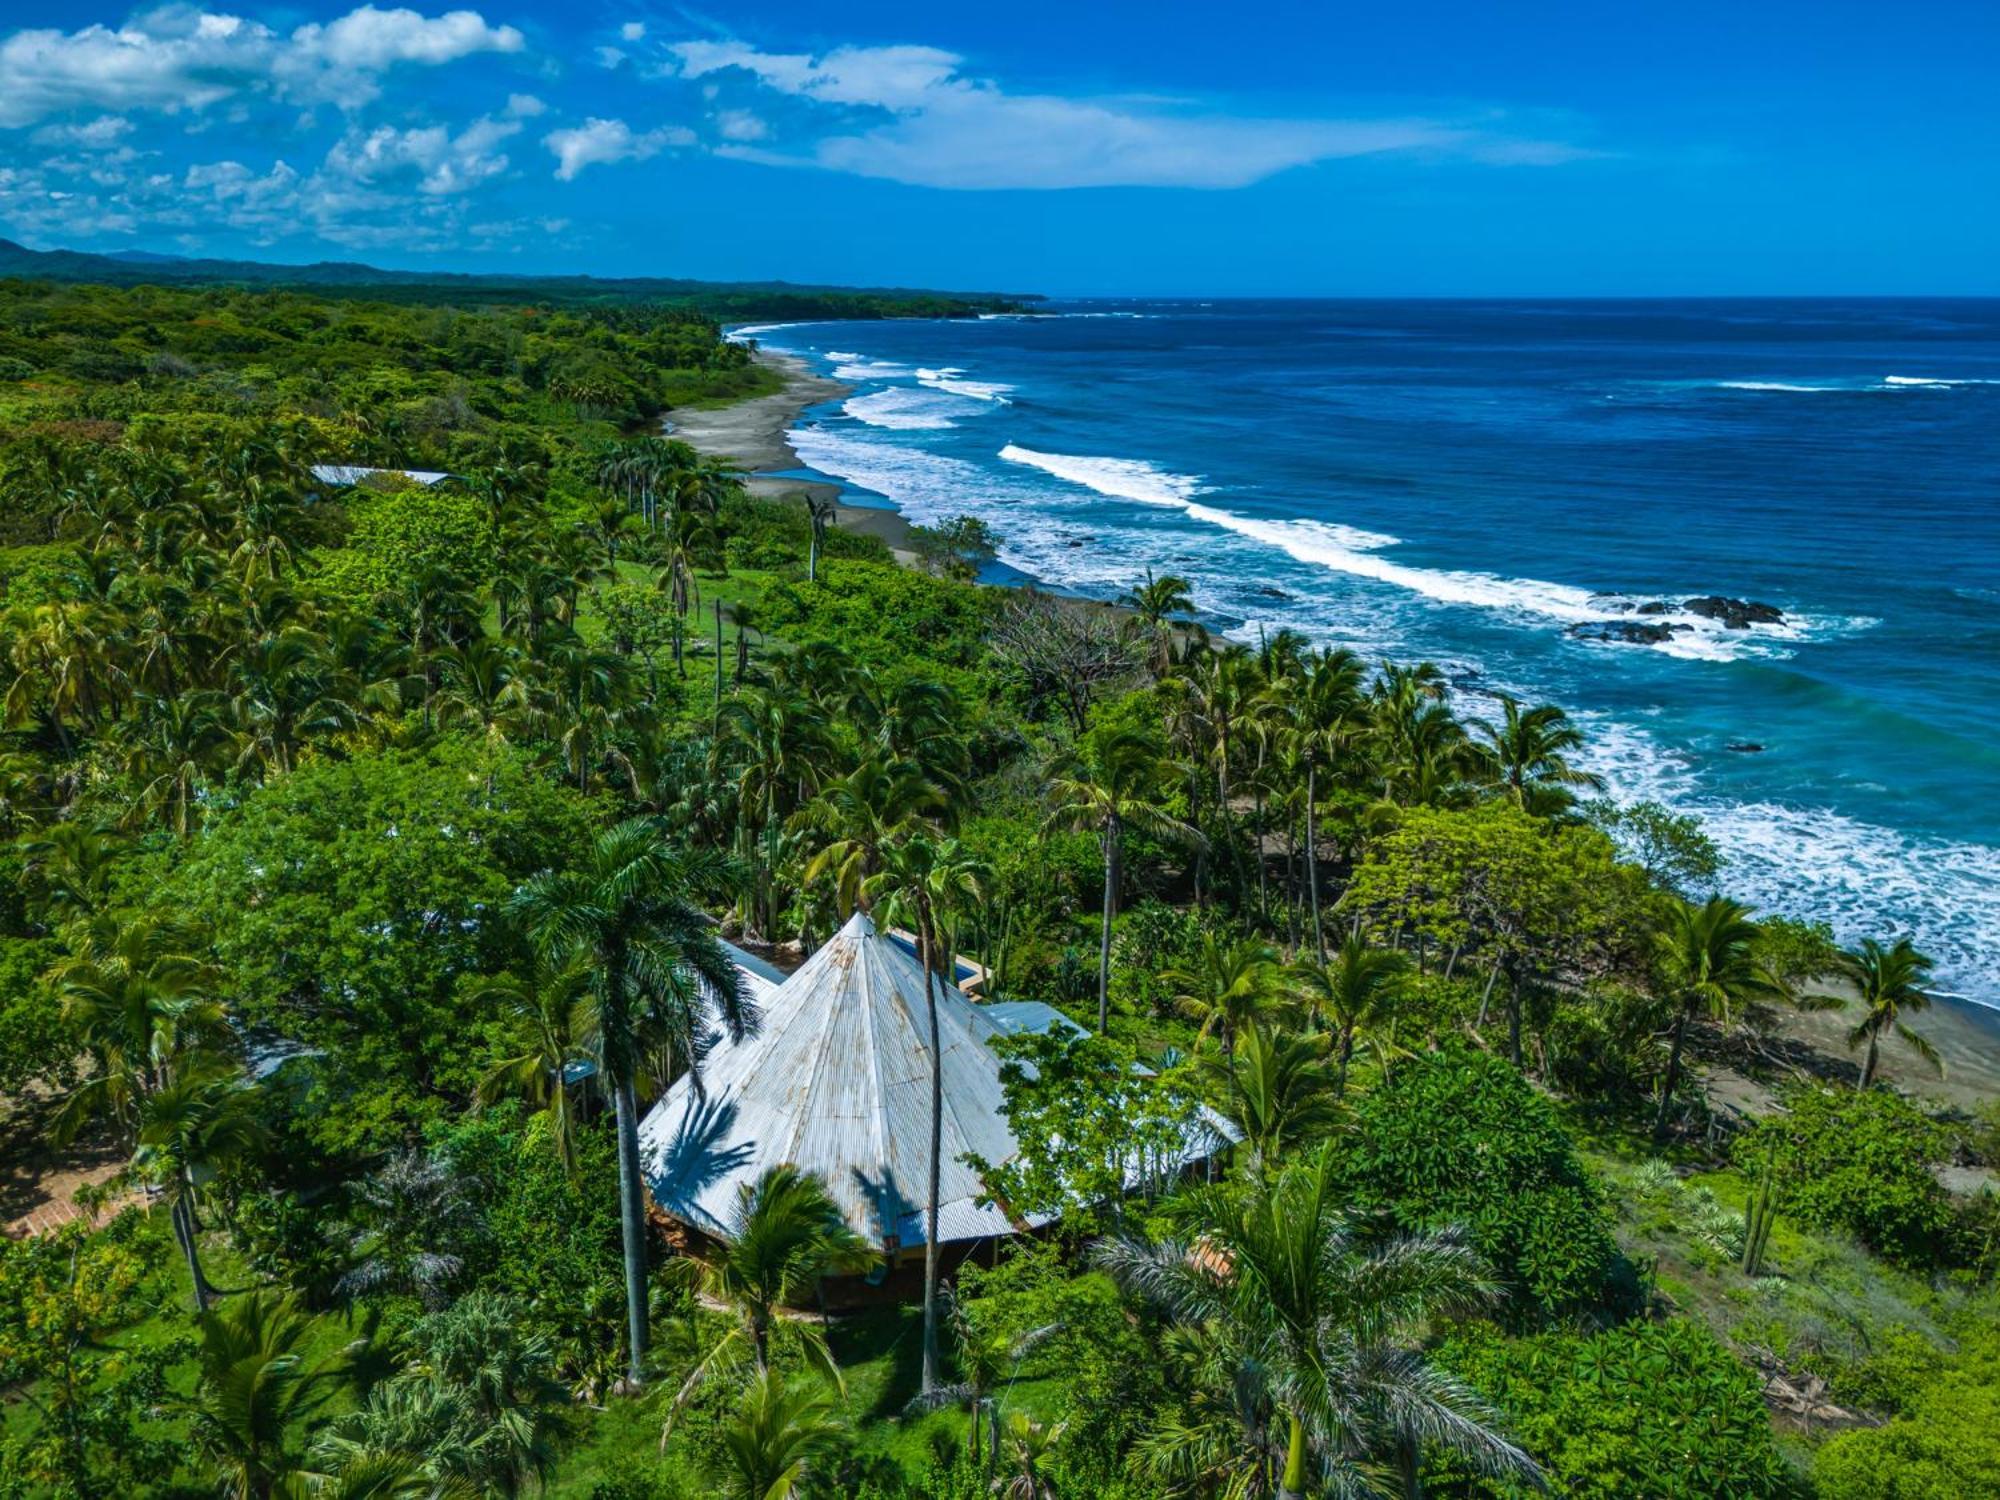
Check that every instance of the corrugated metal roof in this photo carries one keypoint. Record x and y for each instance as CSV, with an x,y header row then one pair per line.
x,y
346,474
837,1081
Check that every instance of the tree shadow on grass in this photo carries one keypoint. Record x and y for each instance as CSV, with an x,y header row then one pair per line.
x,y
882,1348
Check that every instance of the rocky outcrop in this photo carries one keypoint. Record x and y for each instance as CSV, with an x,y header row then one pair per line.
x,y
1735,614
1627,632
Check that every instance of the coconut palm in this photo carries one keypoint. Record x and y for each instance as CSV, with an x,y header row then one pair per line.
x,y
1227,987
1526,756
921,881
657,971
1889,983
1318,714
1354,994
984,1357
551,1010
821,511
865,811
1708,966
778,1432
1312,1346
202,1119
254,1390
785,1233
1281,1092
1111,780
1157,602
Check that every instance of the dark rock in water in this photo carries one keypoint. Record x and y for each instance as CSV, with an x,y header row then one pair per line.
x,y
1630,632
1612,601
1266,591
1744,747
1073,544
1655,607
1735,614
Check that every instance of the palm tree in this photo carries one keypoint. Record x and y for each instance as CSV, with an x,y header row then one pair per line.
x,y
866,811
1888,982
1157,601
1111,780
1028,1445
254,1390
1228,987
921,880
984,1356
690,544
1310,1337
551,1008
821,511
1708,965
656,970
1526,756
202,1119
142,1004
1356,993
1319,713
777,1433
785,1234
1282,1093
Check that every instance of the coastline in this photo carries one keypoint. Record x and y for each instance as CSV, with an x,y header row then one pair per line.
x,y
754,435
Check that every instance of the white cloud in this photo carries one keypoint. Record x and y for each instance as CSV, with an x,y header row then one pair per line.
x,y
100,134
597,142
373,39
442,162
525,106
910,114
633,31
181,59
741,125
610,57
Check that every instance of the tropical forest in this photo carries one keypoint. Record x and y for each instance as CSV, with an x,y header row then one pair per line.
x,y
418,763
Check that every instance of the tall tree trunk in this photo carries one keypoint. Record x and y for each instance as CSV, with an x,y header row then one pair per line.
x,y
1104,936
632,1225
1673,1077
183,1221
1868,1067
718,663
1312,854
937,1147
1292,1485
1479,1023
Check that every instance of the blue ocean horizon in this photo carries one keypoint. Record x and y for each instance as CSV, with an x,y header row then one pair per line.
x,y
1491,484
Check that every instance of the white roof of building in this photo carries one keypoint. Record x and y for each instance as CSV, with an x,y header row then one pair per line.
x,y
837,1081
347,474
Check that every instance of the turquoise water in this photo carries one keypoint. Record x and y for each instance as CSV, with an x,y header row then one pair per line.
x,y
1470,482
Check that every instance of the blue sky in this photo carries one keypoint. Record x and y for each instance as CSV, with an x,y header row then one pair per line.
x,y
1425,148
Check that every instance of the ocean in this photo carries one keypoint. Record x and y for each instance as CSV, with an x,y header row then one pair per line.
x,y
1490,485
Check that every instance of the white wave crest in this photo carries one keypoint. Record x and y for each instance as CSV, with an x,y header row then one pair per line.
x,y
1931,382
953,380
902,409
1774,385
1120,478
860,367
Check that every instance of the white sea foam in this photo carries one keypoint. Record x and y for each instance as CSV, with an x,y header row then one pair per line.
x,y
1120,478
1344,549
754,330
860,367
1863,879
902,408
1774,385
1921,382
953,380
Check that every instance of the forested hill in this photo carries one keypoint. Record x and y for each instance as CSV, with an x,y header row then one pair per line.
x,y
724,300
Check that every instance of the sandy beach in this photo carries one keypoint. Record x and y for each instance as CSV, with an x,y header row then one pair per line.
x,y
753,435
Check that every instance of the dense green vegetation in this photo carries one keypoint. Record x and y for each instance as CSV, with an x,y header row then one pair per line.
x,y
728,301
359,848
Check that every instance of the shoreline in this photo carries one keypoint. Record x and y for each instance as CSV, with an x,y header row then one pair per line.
x,y
754,435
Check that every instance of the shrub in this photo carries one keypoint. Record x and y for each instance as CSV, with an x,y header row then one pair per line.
x,y
1459,1137
1662,1410
1945,1445
1858,1163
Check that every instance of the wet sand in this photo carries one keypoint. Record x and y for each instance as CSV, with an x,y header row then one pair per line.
x,y
753,435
